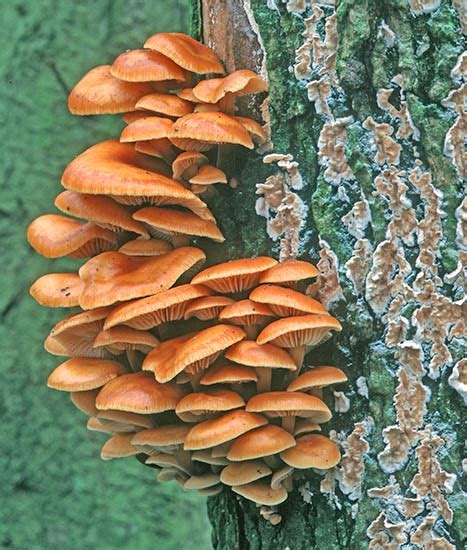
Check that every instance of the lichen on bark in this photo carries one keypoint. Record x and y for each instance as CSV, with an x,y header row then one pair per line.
x,y
383,202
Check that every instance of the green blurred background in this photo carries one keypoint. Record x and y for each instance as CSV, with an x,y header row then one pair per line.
x,y
55,492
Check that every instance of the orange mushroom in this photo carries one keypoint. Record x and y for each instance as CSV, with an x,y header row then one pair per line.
x,y
145,66
84,373
196,407
55,236
159,148
245,471
248,314
261,443
114,277
146,247
100,93
57,290
261,493
147,128
186,52
235,275
286,302
118,446
312,451
206,176
178,224
207,308
165,104
187,164
317,378
289,273
122,338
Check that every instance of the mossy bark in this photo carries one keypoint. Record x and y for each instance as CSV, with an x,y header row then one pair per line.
x,y
422,48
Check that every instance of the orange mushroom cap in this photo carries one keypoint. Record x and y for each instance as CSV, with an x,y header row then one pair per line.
x,y
147,128
312,451
158,359
200,351
139,392
208,175
83,374
57,290
238,83
207,308
194,406
100,93
289,272
114,277
246,312
130,117
286,302
101,210
177,222
305,330
318,377
209,128
116,169
147,313
253,355
235,275
186,52
55,236
243,472
261,493
282,403
85,401
122,421
75,334
162,436
228,374
146,247
122,338
264,441
159,148
187,95
220,430
187,164
165,104
118,446
145,66
253,128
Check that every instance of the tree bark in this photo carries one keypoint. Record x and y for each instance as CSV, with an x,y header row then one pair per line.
x,y
363,97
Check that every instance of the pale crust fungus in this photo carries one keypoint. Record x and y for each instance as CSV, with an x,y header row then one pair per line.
x,y
407,128
458,379
331,147
387,150
384,534
327,288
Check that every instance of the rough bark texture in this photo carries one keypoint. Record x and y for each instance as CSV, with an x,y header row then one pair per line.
x,y
358,97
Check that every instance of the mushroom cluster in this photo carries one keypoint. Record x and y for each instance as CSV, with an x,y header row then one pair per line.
x,y
196,373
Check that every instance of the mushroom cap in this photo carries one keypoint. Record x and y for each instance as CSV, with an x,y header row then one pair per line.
x,y
57,290
207,308
290,271
286,302
55,236
145,66
159,148
130,117
126,338
202,481
228,374
312,451
305,426
162,357
99,209
150,312
187,95
114,277
261,493
205,456
211,128
282,403
208,175
187,164
238,83
202,349
253,355
220,430
85,401
264,441
84,373
253,128
209,402
76,333
178,222
95,425
246,312
235,275
186,52
146,247
116,169
147,128
118,446
243,472
318,377
124,421
139,392
163,436
100,93
304,330
165,104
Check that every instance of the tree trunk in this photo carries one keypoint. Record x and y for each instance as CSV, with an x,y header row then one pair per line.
x,y
363,97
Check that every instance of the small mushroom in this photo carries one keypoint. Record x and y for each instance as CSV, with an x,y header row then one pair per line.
x,y
312,451
261,493
206,176
196,407
146,247
159,148
124,421
83,374
250,315
145,66
165,104
57,290
187,164
286,302
246,471
85,401
118,446
207,308
317,378
291,273
263,442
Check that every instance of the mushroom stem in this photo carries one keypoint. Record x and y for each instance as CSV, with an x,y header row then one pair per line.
x,y
195,381
180,240
272,461
264,379
163,331
184,459
251,331
227,104
288,423
288,484
298,355
133,359
317,392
